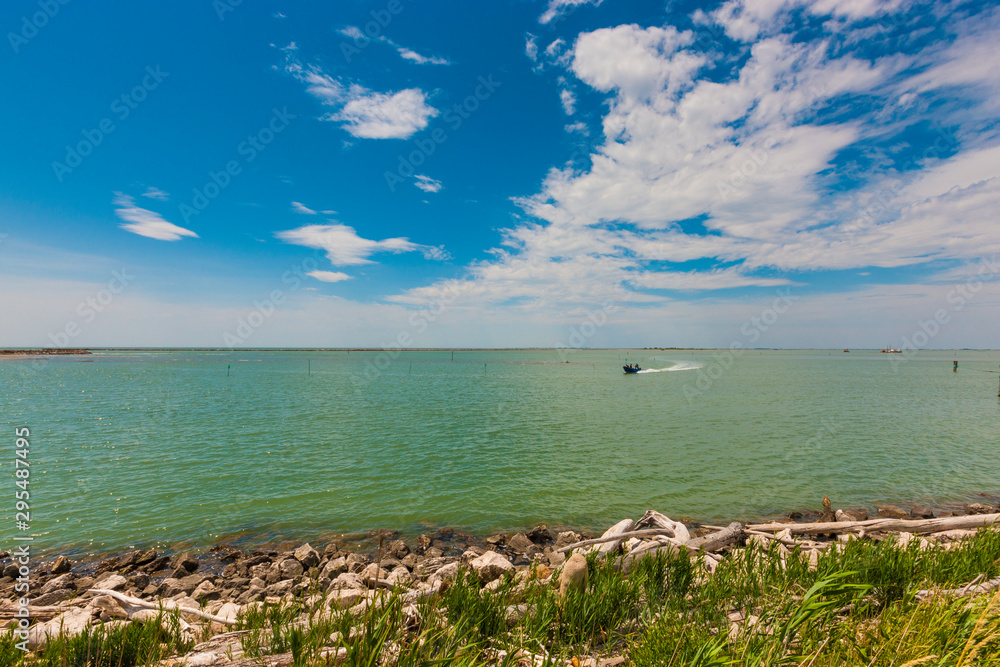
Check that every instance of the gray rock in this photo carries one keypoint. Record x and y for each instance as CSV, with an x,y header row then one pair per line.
x,y
433,552
335,567
892,512
447,572
978,508
113,582
11,571
347,580
280,588
566,538
53,596
307,556
62,581
61,565
520,543
139,581
490,566
357,562
291,568
185,561
539,535
921,512
206,591
398,549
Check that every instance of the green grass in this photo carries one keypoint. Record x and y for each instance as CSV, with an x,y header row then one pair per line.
x,y
857,607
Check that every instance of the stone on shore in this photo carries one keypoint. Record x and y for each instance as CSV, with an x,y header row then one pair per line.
x,y
520,544
61,565
921,512
892,512
490,566
307,556
574,575
184,561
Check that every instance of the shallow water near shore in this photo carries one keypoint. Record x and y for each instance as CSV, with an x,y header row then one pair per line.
x,y
156,448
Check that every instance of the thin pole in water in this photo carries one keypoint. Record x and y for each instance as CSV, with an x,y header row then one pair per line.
x,y
228,366
453,355
410,372
310,367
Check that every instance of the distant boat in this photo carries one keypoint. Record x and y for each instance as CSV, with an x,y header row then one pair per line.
x,y
891,350
631,369
846,350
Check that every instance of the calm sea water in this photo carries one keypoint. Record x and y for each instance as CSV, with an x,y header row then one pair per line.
x,y
139,449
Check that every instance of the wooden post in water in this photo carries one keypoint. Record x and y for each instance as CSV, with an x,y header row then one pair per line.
x,y
228,366
309,367
954,368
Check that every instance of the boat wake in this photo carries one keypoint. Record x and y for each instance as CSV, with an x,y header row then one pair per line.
x,y
678,366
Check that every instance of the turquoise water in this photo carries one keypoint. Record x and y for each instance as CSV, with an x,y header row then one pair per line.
x,y
138,449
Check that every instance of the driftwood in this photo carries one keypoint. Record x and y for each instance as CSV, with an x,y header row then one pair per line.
x,y
655,519
615,533
890,525
731,534
162,604
648,532
971,588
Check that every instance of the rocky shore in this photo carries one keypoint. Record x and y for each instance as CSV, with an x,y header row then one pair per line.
x,y
214,588
47,351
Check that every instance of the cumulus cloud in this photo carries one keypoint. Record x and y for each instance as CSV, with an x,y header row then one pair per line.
x,y
364,113
732,162
146,223
344,247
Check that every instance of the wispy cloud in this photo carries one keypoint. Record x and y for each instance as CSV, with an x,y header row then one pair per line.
x,y
299,207
561,7
364,113
344,247
329,276
147,223
354,32
156,193
427,184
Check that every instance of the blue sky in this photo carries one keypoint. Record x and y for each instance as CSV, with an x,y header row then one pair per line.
x,y
499,174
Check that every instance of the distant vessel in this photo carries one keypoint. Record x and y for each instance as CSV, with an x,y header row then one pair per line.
x,y
631,369
846,350
891,350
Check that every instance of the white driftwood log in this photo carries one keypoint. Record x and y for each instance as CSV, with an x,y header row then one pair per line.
x,y
654,518
167,605
729,535
615,532
648,532
969,589
897,525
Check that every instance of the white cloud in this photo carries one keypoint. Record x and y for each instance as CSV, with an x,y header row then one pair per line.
x,y
531,47
562,7
156,193
344,247
328,276
147,223
355,33
371,115
427,184
568,100
301,208
364,113
732,169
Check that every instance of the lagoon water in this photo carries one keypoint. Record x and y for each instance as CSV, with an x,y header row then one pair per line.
x,y
155,448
